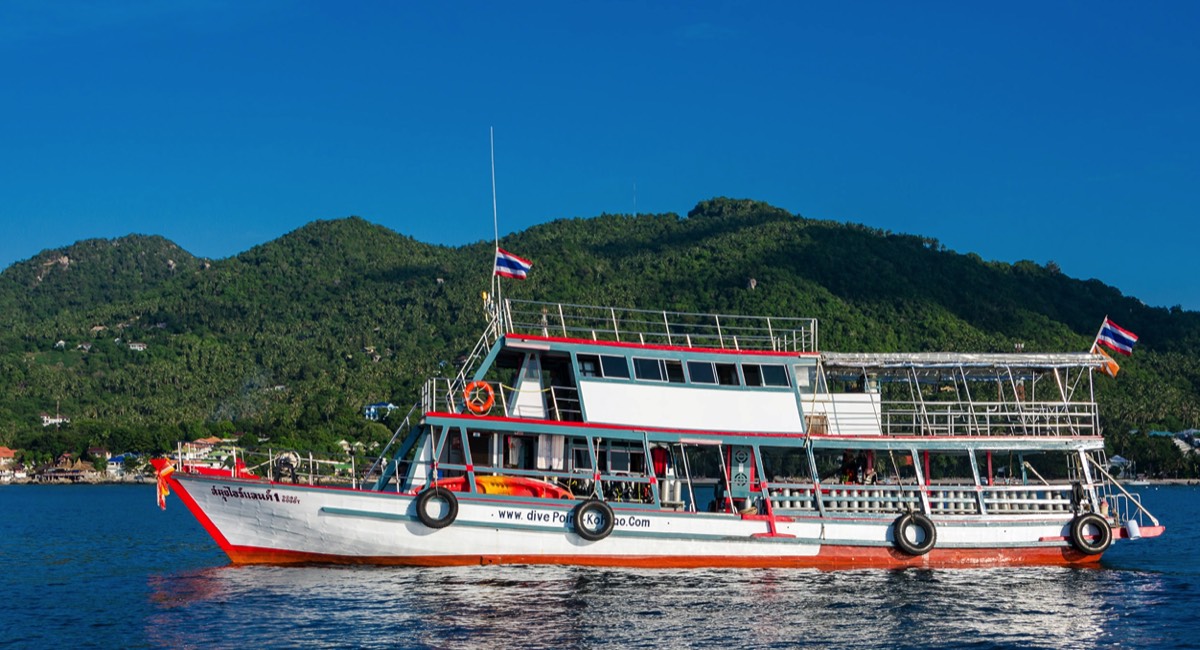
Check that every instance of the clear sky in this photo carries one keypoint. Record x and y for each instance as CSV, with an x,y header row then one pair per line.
x,y
1049,131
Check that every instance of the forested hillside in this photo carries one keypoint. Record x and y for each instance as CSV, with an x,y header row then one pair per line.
x,y
290,339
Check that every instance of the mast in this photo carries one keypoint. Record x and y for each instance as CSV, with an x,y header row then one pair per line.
x,y
495,220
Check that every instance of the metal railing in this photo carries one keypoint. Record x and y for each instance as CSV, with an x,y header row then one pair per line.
x,y
559,403
964,418
682,329
285,466
1124,505
943,499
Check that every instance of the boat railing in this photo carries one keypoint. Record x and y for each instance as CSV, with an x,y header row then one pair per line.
x,y
964,499
1026,499
680,329
286,466
976,418
490,334
559,403
375,469
1123,506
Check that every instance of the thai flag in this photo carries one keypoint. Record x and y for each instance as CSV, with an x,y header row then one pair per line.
x,y
1116,338
511,266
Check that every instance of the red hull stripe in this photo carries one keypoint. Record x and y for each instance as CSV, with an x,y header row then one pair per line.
x,y
829,558
207,523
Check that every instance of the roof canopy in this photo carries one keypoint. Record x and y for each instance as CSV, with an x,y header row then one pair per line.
x,y
981,365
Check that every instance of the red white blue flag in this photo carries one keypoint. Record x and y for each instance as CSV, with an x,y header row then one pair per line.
x,y
1116,338
511,266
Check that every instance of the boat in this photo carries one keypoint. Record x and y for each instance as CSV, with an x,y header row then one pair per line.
x,y
597,435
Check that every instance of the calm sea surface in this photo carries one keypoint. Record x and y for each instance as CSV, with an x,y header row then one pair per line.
x,y
101,566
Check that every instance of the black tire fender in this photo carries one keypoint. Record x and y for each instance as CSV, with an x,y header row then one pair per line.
x,y
914,546
598,510
1080,534
447,517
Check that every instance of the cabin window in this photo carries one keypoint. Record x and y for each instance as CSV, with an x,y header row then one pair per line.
x,y
480,446
589,365
582,459
614,366
774,375
701,372
786,464
520,451
727,374
624,457
752,373
808,381
707,372
658,370
603,365
647,369
765,375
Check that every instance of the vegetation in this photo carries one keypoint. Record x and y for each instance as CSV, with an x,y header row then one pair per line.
x,y
289,340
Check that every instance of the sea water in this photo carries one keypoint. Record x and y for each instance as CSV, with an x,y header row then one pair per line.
x,y
102,566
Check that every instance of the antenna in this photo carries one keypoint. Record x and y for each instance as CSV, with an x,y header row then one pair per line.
x,y
495,218
495,222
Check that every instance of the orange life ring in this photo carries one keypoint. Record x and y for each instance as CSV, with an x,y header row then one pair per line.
x,y
479,397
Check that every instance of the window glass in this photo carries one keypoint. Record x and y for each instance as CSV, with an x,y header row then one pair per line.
x,y
808,381
583,459
589,365
727,374
674,371
614,366
701,372
647,369
753,374
774,376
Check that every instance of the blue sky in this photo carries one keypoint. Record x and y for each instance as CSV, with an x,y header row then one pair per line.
x,y
1062,131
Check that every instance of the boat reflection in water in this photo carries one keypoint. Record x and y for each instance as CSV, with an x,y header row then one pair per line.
x,y
557,606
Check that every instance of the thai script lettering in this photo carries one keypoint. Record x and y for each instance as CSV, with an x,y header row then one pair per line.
x,y
227,493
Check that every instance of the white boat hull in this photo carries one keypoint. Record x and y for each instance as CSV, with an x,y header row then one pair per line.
x,y
257,522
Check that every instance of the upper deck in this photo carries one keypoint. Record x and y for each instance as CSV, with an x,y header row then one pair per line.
x,y
689,372
669,328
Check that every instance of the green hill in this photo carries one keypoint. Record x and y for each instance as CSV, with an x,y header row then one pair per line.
x,y
290,339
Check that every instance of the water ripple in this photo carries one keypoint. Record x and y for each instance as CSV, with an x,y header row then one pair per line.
x,y
156,581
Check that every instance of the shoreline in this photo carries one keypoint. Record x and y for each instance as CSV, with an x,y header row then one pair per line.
x,y
134,480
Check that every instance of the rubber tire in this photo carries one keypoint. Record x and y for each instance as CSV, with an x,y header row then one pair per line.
x,y
451,510
901,540
600,509
1079,539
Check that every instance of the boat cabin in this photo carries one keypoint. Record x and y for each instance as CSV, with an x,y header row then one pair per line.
x,y
745,416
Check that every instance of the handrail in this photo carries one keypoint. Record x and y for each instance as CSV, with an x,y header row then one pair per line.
x,y
1137,502
689,329
382,459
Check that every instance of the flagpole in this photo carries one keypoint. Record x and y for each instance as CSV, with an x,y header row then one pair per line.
x,y
1096,341
495,219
